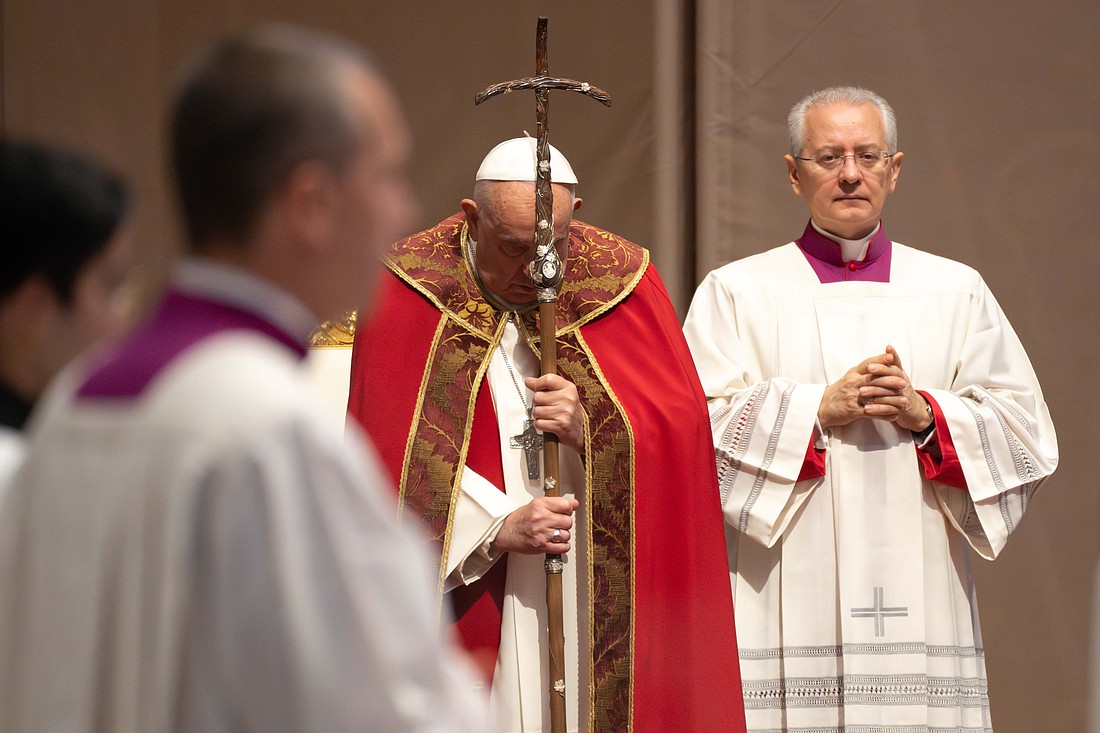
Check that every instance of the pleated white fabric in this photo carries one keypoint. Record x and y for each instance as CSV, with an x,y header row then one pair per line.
x,y
853,593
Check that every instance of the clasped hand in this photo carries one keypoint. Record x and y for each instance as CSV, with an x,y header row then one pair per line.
x,y
876,388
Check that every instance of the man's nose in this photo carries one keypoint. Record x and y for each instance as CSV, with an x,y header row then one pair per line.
x,y
849,171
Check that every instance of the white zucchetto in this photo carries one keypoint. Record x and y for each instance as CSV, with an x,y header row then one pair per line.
x,y
515,160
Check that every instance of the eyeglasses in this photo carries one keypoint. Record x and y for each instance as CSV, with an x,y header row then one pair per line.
x,y
868,160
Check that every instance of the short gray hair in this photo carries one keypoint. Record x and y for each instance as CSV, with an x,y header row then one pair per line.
x,y
796,120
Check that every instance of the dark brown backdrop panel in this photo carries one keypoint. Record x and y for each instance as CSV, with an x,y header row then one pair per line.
x,y
98,77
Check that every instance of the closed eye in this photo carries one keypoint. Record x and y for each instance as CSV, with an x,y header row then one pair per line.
x,y
516,249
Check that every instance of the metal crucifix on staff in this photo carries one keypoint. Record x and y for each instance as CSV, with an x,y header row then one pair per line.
x,y
546,273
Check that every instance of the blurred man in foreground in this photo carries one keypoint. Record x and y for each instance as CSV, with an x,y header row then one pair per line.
x,y
190,545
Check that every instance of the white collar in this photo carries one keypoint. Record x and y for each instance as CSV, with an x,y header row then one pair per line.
x,y
850,249
220,281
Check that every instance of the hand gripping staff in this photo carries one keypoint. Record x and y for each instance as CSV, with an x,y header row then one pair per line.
x,y
546,273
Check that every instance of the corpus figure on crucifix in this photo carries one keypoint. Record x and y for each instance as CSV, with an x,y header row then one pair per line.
x,y
445,377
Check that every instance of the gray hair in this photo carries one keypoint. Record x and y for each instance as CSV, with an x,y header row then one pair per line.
x,y
796,120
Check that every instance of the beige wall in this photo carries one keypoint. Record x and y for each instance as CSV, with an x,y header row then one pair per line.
x,y
999,109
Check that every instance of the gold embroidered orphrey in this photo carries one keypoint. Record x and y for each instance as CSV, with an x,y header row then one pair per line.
x,y
602,269
546,274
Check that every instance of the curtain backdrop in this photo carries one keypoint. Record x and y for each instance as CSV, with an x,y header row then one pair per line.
x,y
998,105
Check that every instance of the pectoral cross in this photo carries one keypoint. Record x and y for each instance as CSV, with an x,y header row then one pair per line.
x,y
546,273
530,440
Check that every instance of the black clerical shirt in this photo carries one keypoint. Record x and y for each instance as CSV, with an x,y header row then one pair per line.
x,y
14,410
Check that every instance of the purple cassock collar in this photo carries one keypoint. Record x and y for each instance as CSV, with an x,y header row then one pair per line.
x,y
182,320
824,256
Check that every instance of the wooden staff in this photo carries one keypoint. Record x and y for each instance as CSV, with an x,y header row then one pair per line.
x,y
546,273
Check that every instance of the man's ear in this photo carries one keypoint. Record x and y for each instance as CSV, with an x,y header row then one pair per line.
x,y
469,208
577,203
308,200
895,169
792,173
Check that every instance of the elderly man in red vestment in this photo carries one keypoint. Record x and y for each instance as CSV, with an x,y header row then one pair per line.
x,y
448,390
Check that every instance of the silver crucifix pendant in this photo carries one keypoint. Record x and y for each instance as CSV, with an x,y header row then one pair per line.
x,y
530,440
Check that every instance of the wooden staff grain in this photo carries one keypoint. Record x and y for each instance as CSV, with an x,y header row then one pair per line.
x,y
547,272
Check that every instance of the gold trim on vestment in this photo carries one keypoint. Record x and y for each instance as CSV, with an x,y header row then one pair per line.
x,y
445,469
605,270
477,315
410,442
416,285
569,288
463,453
633,497
420,395
627,290
609,466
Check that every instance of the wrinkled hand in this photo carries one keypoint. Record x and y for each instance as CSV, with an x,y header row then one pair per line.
x,y
530,529
876,388
558,409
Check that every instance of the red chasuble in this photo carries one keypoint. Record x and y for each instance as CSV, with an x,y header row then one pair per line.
x,y
664,651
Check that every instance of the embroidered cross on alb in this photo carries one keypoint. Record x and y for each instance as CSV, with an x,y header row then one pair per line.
x,y
879,612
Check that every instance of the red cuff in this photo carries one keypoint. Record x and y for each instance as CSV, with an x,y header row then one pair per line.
x,y
813,465
938,457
